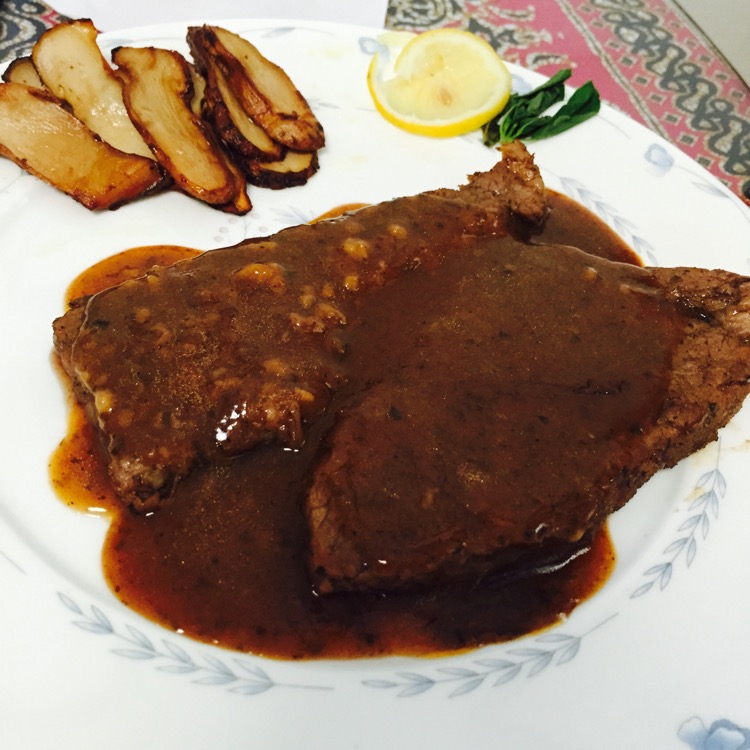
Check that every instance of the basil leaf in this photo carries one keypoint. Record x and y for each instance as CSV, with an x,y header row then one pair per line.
x,y
544,96
583,104
522,116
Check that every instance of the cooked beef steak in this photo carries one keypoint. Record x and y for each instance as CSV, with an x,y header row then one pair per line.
x,y
518,409
477,398
242,345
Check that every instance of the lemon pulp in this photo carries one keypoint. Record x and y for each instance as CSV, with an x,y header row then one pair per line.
x,y
444,82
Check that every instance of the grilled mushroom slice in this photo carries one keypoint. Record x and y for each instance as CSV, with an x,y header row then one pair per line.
x,y
45,139
158,93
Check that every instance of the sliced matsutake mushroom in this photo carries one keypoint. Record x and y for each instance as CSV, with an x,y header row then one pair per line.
x,y
295,168
197,100
22,70
240,203
70,63
239,132
45,139
158,93
242,135
264,90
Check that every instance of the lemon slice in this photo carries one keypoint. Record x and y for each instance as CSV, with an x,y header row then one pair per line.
x,y
442,83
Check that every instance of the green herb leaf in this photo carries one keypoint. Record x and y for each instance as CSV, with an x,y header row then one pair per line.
x,y
523,118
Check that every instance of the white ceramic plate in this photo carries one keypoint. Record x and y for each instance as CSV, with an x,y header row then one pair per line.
x,y
654,660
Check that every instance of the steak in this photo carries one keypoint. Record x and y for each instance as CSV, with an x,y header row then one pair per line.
x,y
242,345
468,399
520,408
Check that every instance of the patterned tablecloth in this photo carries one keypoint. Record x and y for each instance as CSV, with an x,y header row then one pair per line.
x,y
646,58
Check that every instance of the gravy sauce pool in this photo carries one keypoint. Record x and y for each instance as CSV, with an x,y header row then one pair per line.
x,y
226,561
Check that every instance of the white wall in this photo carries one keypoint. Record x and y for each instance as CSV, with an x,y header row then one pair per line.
x,y
727,24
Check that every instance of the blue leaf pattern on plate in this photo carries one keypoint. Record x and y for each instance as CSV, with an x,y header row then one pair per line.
x,y
659,158
293,215
208,670
369,46
556,649
661,162
721,735
278,32
708,490
139,638
624,227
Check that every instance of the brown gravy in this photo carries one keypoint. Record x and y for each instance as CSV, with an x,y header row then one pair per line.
x,y
227,564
